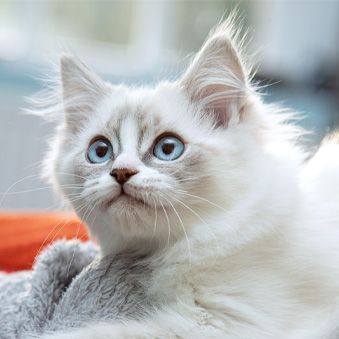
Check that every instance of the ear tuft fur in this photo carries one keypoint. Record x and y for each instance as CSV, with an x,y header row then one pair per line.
x,y
217,79
81,89
70,94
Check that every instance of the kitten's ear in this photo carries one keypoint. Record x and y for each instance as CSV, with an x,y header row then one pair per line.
x,y
216,80
81,90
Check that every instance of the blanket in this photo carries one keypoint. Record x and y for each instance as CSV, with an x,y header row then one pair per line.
x,y
70,286
24,234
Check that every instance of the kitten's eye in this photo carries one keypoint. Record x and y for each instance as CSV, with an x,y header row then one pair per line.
x,y
169,148
99,151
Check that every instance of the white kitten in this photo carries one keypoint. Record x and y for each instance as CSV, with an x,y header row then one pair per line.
x,y
203,177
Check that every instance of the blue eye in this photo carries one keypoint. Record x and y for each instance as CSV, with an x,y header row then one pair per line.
x,y
169,148
99,151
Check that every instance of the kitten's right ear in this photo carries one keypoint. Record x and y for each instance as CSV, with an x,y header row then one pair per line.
x,y
217,79
81,90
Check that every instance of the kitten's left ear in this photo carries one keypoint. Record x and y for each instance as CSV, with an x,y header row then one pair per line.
x,y
216,80
81,90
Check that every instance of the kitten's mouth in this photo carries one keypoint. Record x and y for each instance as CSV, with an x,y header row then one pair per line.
x,y
127,200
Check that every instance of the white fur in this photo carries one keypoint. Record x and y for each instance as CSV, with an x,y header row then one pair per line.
x,y
247,246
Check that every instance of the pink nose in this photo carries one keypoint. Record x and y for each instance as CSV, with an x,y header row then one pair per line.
x,y
121,175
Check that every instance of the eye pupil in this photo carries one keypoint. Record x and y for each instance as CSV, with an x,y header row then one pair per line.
x,y
168,148
101,150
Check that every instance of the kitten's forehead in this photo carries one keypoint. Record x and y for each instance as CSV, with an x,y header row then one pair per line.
x,y
135,117
127,105
129,134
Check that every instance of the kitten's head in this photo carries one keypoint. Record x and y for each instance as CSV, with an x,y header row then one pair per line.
x,y
148,163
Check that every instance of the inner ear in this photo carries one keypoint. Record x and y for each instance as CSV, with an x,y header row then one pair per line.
x,y
224,103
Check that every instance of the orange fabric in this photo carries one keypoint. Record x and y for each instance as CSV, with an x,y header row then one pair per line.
x,y
23,235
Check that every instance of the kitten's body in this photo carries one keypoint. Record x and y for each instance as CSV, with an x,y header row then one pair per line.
x,y
240,237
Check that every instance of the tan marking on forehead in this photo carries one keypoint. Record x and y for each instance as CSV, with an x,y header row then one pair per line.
x,y
147,118
148,123
130,123
117,118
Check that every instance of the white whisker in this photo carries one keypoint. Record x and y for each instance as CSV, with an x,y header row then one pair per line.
x,y
203,199
168,223
155,219
183,228
201,219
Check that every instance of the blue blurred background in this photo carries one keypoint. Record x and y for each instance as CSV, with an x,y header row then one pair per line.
x,y
297,45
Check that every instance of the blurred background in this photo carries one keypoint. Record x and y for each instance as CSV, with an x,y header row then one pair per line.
x,y
142,41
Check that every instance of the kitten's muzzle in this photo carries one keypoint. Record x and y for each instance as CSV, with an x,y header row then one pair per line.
x,y
121,175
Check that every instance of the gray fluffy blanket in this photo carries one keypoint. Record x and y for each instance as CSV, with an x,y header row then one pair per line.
x,y
71,286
